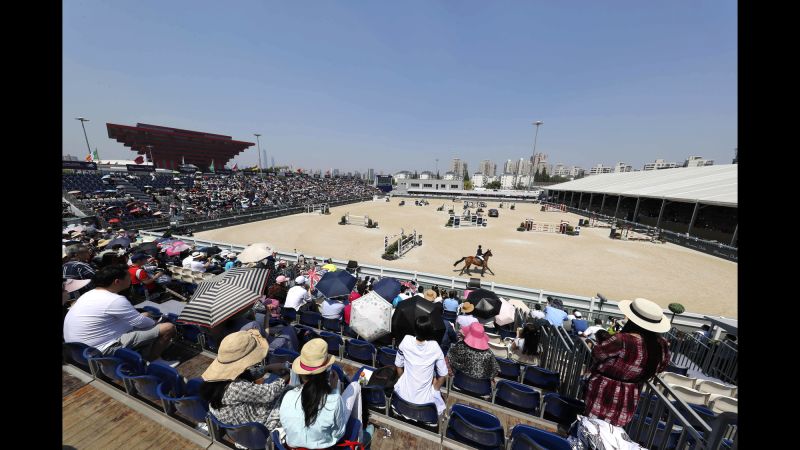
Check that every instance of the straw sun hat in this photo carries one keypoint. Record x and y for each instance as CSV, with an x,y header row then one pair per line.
x,y
467,307
314,358
237,352
646,314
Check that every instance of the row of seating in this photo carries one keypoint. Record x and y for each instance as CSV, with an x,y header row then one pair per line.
x,y
716,396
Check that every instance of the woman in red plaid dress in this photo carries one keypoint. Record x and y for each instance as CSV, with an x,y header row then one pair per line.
x,y
624,361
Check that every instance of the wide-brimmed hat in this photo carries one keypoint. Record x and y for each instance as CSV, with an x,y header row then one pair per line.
x,y
103,242
475,336
430,295
314,358
646,314
467,307
198,254
73,285
236,353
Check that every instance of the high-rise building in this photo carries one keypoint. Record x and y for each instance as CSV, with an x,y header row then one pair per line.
x,y
523,167
539,162
658,165
370,175
336,172
487,168
510,166
623,167
697,161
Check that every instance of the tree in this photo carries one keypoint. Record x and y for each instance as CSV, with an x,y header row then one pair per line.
x,y
466,176
493,185
676,308
467,185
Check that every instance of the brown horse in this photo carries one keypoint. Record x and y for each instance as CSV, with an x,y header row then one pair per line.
x,y
471,260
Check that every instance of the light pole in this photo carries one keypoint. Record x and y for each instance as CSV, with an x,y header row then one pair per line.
x,y
533,169
84,133
261,174
437,168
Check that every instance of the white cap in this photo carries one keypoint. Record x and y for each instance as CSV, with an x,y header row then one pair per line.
x,y
300,280
198,254
577,314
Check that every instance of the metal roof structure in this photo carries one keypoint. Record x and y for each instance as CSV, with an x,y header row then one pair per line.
x,y
712,185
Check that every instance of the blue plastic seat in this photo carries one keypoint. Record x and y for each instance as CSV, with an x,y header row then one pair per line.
x,y
560,409
476,387
335,342
509,369
289,314
672,440
280,355
311,319
475,428
171,318
189,405
386,356
375,396
334,325
526,437
424,416
341,374
350,434
189,333
252,435
360,351
542,378
517,396
156,374
80,353
133,364
677,369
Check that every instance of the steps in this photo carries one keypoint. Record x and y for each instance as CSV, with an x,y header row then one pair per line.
x,y
136,193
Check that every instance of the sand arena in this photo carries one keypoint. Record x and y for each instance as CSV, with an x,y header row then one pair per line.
x,y
582,265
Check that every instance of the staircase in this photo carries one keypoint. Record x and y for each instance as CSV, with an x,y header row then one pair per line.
x,y
136,193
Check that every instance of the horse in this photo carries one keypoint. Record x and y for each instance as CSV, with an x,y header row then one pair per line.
x,y
472,260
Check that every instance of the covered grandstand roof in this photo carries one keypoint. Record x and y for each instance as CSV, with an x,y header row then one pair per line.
x,y
713,185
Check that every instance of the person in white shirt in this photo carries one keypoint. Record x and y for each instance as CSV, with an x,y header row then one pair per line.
x,y
298,295
105,320
421,366
537,312
589,332
195,262
332,308
575,315
466,318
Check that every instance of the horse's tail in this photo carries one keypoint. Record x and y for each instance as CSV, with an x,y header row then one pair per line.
x,y
456,263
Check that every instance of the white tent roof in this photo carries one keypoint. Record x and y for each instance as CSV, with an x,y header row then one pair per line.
x,y
713,185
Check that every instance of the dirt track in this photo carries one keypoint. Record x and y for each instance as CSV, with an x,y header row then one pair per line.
x,y
583,265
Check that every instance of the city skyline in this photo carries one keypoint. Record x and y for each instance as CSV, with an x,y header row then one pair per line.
x,y
344,85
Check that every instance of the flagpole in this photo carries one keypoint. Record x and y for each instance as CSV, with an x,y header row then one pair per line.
x,y
88,147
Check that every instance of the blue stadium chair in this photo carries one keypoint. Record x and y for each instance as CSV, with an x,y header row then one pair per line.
x,y
133,362
189,333
579,326
350,434
334,325
424,416
560,409
152,310
252,435
208,342
311,319
672,440
80,354
517,396
335,343
385,357
280,355
340,373
475,428
156,374
288,314
189,405
509,369
375,396
677,369
360,351
171,318
475,387
526,437
542,378
276,441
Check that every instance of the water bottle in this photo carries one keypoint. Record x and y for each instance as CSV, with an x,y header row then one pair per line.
x,y
362,379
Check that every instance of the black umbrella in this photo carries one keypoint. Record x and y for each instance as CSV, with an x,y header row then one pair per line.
x,y
387,288
213,250
407,312
487,303
335,284
151,248
123,241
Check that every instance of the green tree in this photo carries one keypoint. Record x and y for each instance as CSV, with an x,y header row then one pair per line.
x,y
467,185
466,176
493,185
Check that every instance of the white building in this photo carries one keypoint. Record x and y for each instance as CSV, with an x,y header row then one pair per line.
x,y
478,180
561,171
427,175
599,169
459,168
524,180
623,167
698,161
430,185
510,166
524,167
508,181
449,176
370,175
576,172
402,175
487,168
658,165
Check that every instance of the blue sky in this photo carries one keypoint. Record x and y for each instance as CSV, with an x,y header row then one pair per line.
x,y
395,85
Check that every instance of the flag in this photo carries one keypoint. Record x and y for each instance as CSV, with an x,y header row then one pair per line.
x,y
211,167
89,157
96,155
235,167
139,159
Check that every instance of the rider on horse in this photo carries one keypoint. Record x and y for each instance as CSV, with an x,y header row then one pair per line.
x,y
479,253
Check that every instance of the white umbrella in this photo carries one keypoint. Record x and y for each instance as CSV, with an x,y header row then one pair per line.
x,y
255,252
74,192
520,306
506,315
371,316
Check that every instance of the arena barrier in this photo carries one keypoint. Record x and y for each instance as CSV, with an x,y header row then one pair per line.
x,y
553,207
351,219
466,220
549,227
405,242
322,208
637,234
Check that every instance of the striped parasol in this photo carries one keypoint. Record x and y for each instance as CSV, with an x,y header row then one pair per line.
x,y
217,304
249,278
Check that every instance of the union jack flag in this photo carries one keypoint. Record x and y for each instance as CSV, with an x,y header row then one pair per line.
x,y
313,276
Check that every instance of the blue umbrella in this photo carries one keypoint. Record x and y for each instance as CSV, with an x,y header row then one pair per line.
x,y
335,284
387,288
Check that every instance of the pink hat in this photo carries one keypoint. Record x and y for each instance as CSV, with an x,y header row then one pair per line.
x,y
475,336
281,279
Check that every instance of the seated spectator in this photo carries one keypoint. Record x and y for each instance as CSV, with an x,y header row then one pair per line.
x,y
299,294
332,308
590,332
233,387
450,304
537,312
466,318
361,289
575,315
421,366
430,295
230,260
554,314
314,414
278,289
704,333
140,276
401,296
525,347
103,319
77,266
472,355
197,262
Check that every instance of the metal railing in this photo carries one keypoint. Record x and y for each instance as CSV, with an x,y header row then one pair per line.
x,y
714,358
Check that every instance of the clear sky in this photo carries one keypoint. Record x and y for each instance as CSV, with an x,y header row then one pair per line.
x,y
394,85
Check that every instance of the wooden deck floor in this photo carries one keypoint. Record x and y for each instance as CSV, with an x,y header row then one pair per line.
x,y
92,419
